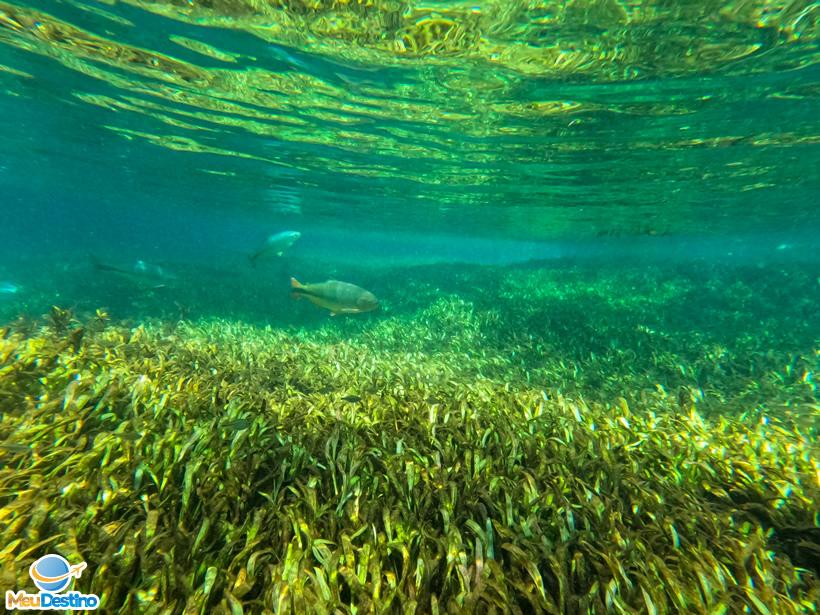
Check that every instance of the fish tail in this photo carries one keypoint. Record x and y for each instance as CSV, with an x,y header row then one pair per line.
x,y
296,289
101,266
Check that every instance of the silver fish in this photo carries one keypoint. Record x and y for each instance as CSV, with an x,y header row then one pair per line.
x,y
276,244
141,273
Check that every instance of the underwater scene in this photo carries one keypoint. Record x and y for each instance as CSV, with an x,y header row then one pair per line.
x,y
403,306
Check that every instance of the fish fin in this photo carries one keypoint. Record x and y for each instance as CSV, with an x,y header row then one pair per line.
x,y
297,290
97,263
296,296
333,313
101,266
280,253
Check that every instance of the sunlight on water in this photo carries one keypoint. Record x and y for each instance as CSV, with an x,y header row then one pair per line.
x,y
540,118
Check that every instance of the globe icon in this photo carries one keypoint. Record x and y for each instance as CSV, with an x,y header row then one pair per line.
x,y
50,573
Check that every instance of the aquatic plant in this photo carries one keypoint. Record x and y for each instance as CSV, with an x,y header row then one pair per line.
x,y
217,467
731,340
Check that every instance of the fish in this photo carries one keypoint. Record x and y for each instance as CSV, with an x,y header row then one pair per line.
x,y
9,288
338,297
153,271
142,271
276,244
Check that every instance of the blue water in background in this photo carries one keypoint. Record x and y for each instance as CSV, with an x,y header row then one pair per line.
x,y
72,186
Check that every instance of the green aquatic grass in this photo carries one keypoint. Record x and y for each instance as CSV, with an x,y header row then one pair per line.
x,y
409,463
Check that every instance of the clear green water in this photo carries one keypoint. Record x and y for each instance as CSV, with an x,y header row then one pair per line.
x,y
522,120
590,385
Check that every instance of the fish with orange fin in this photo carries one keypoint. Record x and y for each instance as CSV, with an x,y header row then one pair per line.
x,y
338,297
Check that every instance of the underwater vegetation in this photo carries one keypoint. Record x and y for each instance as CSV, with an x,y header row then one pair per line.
x,y
451,454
